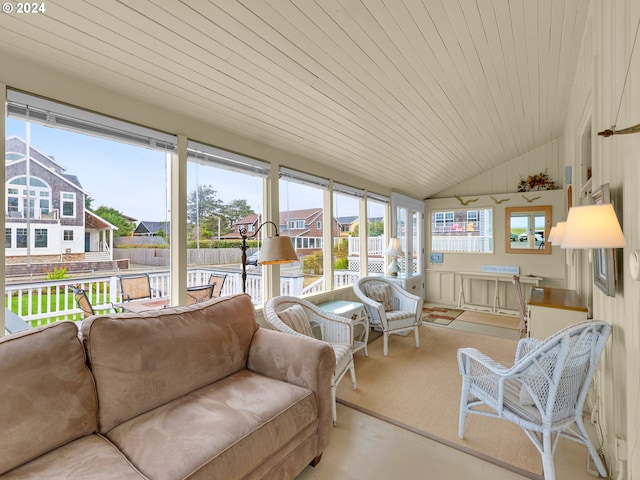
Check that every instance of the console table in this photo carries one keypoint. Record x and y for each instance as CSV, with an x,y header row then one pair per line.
x,y
496,278
356,313
551,309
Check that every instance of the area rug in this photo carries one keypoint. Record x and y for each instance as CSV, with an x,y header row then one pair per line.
x,y
440,315
419,390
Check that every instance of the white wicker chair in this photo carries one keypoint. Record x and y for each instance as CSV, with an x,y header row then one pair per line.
x,y
543,392
405,313
334,329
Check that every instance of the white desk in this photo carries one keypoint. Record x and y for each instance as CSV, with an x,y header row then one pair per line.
x,y
355,312
496,278
552,309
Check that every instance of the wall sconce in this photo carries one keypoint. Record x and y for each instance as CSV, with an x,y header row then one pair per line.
x,y
274,250
592,226
557,233
394,250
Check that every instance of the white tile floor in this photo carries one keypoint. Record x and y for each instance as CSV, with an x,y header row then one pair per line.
x,y
365,447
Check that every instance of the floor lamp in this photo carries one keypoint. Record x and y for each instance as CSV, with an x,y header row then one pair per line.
x,y
274,250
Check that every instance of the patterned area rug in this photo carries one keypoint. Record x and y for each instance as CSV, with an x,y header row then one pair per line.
x,y
440,315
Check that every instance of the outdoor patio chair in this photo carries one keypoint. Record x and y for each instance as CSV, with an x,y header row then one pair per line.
x,y
83,302
200,293
390,307
134,287
298,317
218,279
543,392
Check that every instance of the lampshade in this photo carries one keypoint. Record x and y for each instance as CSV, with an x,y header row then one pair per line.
x,y
593,226
394,249
278,249
557,233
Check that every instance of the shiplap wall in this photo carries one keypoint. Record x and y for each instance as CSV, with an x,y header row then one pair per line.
x,y
607,82
505,177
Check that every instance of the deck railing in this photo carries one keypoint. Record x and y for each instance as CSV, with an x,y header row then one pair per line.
x,y
47,301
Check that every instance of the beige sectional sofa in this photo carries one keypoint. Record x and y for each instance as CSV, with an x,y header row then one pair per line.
x,y
181,393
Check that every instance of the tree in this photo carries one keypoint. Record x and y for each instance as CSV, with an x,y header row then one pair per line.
x,y
376,229
235,210
203,204
115,217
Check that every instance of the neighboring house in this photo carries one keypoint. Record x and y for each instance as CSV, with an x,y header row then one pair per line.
x,y
49,219
349,224
151,229
305,227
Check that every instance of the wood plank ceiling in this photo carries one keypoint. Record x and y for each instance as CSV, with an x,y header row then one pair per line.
x,y
418,95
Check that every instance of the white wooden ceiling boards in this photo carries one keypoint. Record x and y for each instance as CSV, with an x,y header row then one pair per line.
x,y
418,95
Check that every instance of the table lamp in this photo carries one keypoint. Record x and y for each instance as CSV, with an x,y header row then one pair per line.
x,y
394,250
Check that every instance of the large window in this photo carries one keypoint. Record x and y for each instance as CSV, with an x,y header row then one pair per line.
x,y
377,213
346,250
224,196
301,218
79,185
462,230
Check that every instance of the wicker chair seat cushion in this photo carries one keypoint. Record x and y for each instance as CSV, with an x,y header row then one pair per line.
x,y
380,293
395,315
296,319
343,355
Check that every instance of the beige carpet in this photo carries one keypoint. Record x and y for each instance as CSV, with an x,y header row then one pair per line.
x,y
419,389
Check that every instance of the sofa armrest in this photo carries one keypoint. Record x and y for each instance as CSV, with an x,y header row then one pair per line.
x,y
301,361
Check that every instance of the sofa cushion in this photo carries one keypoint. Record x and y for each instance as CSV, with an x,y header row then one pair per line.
x,y
48,395
92,457
223,430
142,361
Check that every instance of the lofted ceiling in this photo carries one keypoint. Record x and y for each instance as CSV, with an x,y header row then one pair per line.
x,y
418,95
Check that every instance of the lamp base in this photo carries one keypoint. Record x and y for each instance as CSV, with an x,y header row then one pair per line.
x,y
393,269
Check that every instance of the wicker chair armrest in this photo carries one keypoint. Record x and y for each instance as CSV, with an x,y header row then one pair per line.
x,y
335,329
472,360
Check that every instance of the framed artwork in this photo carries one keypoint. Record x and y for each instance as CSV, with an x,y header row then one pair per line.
x,y
604,259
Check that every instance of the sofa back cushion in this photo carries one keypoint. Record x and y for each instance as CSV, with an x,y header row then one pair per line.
x,y
142,361
47,392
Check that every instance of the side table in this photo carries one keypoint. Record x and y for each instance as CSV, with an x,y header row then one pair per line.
x,y
356,313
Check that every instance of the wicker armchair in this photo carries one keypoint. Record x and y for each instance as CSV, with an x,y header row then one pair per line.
x,y
543,392
390,308
333,329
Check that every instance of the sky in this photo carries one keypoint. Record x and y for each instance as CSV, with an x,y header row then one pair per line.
x,y
132,179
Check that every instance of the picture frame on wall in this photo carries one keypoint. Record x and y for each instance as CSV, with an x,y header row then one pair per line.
x,y
604,259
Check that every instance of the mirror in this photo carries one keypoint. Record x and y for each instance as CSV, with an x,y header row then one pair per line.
x,y
527,229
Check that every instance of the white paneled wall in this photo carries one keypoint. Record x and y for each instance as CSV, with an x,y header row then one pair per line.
x,y
505,177
604,94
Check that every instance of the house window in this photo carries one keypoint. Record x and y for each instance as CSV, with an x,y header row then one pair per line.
x,y
68,204
21,238
39,194
295,224
462,231
40,238
251,228
7,239
67,235
319,225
